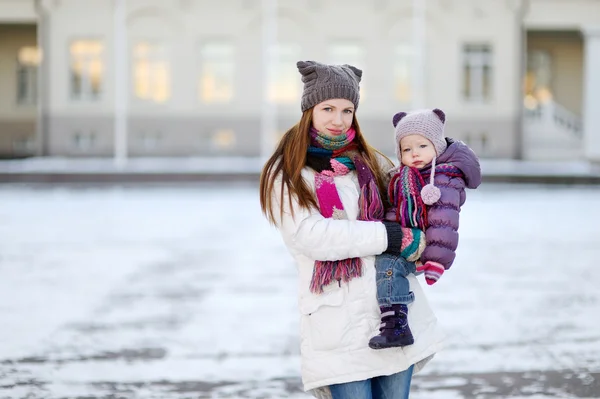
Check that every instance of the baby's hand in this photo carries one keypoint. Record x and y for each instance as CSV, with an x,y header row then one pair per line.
x,y
420,267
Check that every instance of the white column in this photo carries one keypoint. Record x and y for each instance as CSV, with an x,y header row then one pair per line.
x,y
121,83
591,98
268,120
42,81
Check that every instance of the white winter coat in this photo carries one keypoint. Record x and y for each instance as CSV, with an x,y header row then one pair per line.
x,y
335,326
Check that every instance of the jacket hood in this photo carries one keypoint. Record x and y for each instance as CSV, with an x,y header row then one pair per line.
x,y
461,156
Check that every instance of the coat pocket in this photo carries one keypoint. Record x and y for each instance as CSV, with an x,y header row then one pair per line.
x,y
325,321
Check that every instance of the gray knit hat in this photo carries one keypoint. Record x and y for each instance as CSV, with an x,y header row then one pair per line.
x,y
428,123
324,82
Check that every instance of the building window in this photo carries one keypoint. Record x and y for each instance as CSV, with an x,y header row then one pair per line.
x,y
403,65
479,143
477,72
150,141
87,69
285,83
28,60
217,73
151,72
23,145
348,53
83,141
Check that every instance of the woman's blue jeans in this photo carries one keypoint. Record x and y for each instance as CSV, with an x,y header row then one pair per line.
x,y
395,386
392,286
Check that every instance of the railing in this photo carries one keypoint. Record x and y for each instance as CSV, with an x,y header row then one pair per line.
x,y
557,115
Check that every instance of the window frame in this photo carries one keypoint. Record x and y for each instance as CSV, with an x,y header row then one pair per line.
x,y
86,92
154,64
408,53
31,76
477,67
285,75
218,62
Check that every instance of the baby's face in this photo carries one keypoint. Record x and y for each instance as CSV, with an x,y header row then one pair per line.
x,y
416,151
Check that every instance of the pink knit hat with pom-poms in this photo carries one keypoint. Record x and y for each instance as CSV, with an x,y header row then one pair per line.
x,y
428,123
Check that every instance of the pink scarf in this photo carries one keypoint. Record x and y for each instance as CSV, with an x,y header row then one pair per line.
x,y
330,204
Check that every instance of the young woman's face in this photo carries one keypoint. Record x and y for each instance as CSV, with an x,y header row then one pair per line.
x,y
333,117
416,151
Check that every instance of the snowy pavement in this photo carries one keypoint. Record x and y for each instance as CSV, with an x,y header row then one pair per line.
x,y
186,292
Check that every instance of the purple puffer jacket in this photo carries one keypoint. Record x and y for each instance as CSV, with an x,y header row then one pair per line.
x,y
442,233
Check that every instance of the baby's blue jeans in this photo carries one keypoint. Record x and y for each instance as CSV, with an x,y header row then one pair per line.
x,y
392,286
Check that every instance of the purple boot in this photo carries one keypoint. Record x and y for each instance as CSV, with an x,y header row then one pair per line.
x,y
394,329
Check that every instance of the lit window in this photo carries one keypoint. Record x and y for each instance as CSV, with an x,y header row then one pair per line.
x,y
351,54
87,69
223,139
151,73
285,84
28,61
477,73
538,78
403,65
216,73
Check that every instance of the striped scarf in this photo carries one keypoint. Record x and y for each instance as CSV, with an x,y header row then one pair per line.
x,y
343,156
404,192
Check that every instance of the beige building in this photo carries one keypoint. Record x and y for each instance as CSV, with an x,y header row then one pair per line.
x,y
516,78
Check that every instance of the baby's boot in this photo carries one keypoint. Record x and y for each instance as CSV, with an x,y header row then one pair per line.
x,y
394,330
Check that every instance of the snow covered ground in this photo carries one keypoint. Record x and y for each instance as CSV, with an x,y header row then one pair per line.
x,y
186,292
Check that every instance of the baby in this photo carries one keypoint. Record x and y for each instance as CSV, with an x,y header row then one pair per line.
x,y
450,167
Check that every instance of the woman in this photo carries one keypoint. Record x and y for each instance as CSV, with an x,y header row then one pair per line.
x,y
321,188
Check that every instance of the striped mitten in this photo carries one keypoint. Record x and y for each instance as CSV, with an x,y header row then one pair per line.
x,y
413,244
433,271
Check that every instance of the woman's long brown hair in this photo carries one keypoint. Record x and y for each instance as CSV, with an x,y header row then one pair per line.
x,y
290,157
